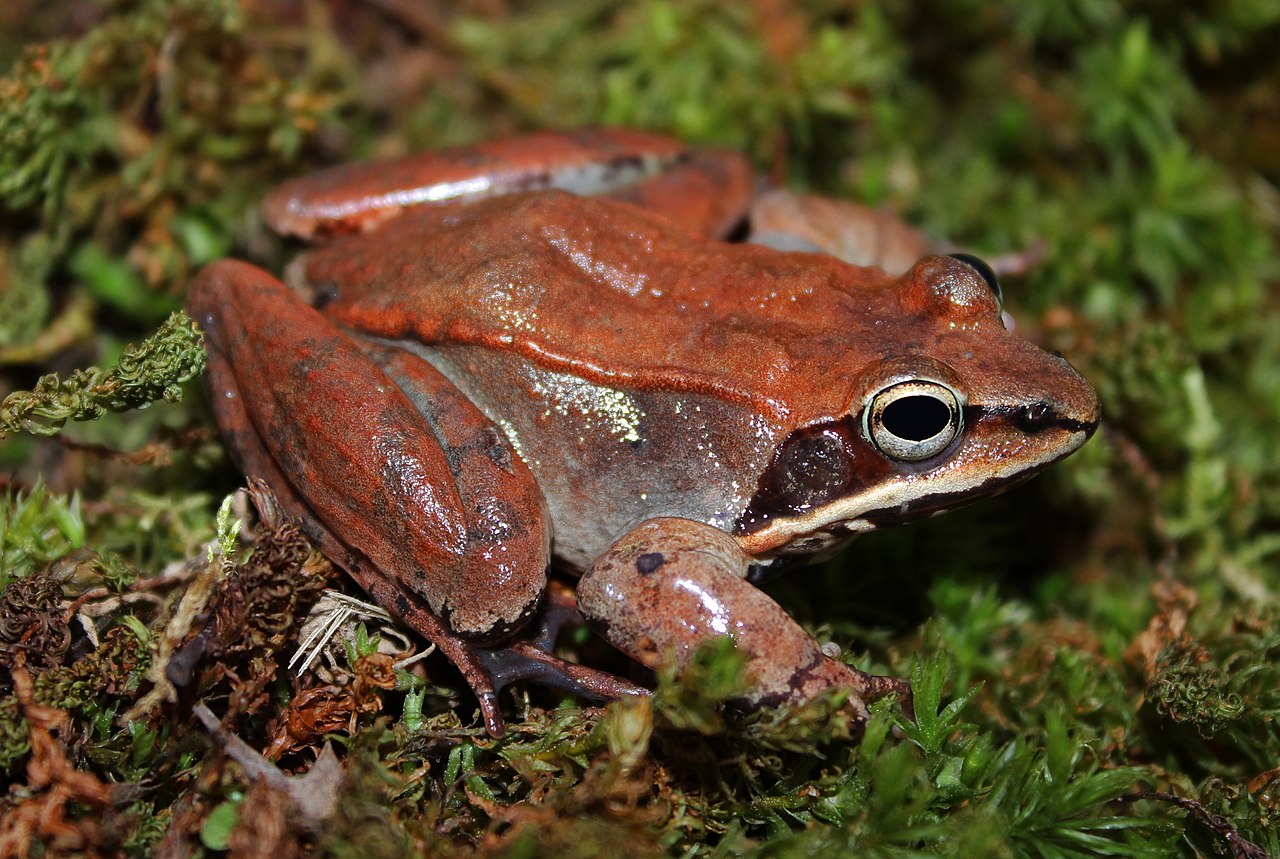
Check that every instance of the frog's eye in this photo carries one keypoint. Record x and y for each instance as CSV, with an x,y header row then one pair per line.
x,y
985,272
914,420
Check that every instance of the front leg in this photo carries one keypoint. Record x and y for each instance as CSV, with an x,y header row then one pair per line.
x,y
670,585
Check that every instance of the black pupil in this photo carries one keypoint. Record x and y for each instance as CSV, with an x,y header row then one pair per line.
x,y
916,418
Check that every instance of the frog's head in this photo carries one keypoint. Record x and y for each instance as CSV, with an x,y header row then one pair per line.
x,y
948,407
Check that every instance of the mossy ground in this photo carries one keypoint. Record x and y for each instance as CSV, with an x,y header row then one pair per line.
x,y
1110,633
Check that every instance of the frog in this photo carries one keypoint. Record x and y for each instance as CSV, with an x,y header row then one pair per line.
x,y
562,354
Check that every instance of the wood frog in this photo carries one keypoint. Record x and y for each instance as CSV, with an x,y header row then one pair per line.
x,y
545,351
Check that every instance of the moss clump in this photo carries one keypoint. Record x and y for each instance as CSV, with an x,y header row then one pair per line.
x,y
35,528
154,371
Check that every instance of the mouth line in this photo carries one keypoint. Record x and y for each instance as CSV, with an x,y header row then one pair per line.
x,y
928,505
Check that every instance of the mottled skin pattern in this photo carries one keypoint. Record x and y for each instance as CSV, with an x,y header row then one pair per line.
x,y
496,381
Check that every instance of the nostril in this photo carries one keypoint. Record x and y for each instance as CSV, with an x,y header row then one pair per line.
x,y
1036,417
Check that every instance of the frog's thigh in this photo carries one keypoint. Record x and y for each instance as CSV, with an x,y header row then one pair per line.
x,y
324,422
859,235
507,520
253,459
358,197
671,584
707,193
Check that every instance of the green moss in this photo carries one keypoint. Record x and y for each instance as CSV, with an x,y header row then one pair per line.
x,y
145,374
699,70
126,149
36,528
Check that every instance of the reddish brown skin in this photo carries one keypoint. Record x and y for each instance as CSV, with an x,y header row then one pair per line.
x,y
306,206
679,369
864,236
446,530
448,564
706,194
654,598
732,331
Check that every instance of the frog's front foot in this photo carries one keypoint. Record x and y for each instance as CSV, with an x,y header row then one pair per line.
x,y
671,584
487,669
530,658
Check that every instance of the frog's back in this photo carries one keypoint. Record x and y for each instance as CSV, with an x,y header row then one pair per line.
x,y
602,291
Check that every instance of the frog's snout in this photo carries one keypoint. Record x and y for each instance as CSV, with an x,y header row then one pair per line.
x,y
1061,400
1040,416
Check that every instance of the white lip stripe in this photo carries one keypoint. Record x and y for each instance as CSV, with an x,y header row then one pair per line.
x,y
886,496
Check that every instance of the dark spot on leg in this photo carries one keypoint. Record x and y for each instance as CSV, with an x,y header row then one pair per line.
x,y
323,294
801,675
799,678
490,522
648,562
764,572
496,449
